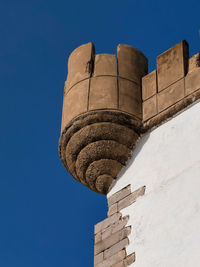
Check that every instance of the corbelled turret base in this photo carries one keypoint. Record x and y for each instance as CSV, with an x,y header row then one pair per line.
x,y
96,145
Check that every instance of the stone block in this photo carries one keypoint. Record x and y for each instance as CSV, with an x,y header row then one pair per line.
x,y
130,97
107,222
105,64
149,85
111,240
171,95
103,93
129,259
98,237
172,65
127,201
112,209
194,62
119,264
119,195
118,257
149,107
98,258
80,65
115,227
75,102
117,247
192,81
132,64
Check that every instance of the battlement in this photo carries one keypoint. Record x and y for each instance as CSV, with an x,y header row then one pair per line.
x,y
104,81
171,87
109,101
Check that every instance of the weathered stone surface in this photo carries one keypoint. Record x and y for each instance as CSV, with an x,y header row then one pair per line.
x,y
127,201
98,258
132,64
75,102
98,237
105,64
126,262
149,108
130,259
113,259
149,85
103,182
119,264
80,65
120,104
103,93
111,240
171,111
112,209
121,223
192,81
194,62
107,222
86,148
130,97
119,195
171,95
117,247
97,168
172,65
102,149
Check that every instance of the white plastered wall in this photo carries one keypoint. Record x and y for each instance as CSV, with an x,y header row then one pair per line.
x,y
166,220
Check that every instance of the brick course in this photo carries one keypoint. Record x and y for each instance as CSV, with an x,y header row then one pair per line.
x,y
111,235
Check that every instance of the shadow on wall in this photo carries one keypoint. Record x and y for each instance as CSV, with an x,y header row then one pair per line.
x,y
143,139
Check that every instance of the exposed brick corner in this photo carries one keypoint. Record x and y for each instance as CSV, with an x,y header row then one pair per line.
x,y
111,234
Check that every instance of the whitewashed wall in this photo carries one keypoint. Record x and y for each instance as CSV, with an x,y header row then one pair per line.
x,y
166,220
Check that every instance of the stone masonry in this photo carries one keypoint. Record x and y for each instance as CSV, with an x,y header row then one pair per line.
x,y
111,235
102,113
109,102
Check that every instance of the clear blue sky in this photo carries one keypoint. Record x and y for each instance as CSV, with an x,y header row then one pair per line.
x,y
46,217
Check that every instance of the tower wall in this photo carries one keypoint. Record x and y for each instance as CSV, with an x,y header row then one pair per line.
x,y
164,218
153,205
113,111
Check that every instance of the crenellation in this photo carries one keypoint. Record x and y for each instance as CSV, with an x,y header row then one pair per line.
x,y
109,103
105,64
119,91
78,64
172,65
192,81
149,85
132,64
194,62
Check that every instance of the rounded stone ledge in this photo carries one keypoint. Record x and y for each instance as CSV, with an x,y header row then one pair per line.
x,y
96,145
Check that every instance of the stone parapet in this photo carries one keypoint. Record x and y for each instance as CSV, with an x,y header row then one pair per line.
x,y
102,112
109,101
172,87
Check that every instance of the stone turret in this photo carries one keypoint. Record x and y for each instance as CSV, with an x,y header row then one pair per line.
x,y
109,102
102,113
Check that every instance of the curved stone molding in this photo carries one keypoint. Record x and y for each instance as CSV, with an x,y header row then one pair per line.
x,y
95,146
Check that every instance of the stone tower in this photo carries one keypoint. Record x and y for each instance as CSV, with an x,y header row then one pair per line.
x,y
114,111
